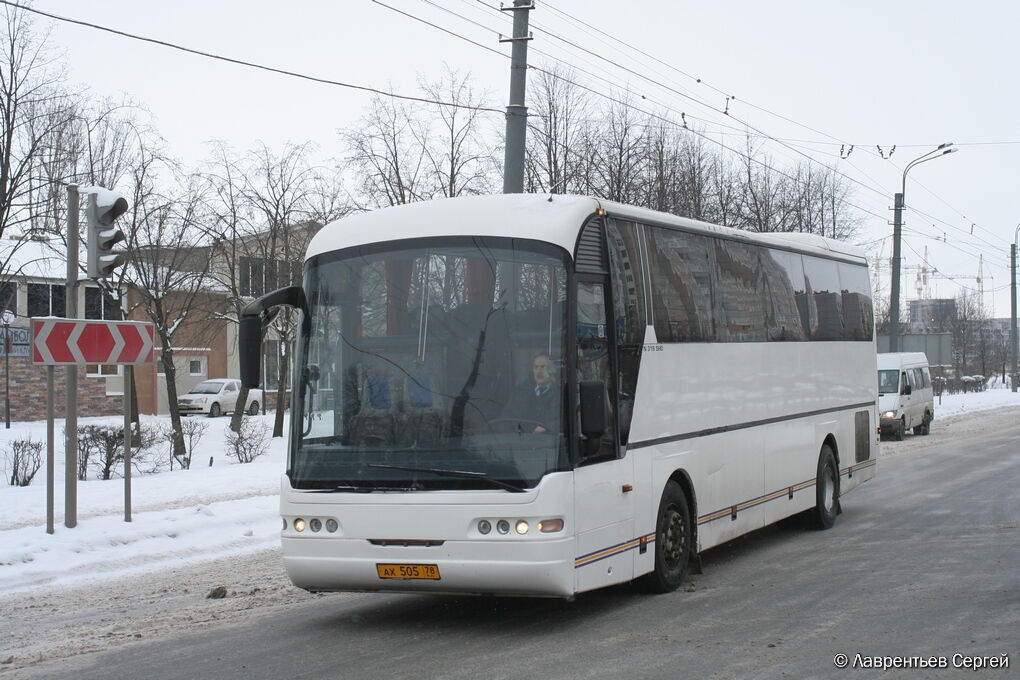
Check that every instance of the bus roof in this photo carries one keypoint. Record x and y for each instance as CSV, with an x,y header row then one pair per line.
x,y
553,218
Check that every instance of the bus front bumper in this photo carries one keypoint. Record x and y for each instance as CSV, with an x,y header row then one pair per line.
x,y
542,568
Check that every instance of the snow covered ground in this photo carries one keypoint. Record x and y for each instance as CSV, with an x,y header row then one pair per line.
x,y
183,516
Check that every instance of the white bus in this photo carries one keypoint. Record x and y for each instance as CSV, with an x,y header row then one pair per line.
x,y
707,382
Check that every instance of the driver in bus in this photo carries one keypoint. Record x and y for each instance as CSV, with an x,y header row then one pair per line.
x,y
537,401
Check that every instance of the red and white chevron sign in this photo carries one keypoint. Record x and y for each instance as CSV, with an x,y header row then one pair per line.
x,y
58,342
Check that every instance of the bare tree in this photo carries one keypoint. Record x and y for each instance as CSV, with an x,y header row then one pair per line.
x,y
556,135
662,168
168,270
387,151
696,167
31,109
763,204
230,230
726,191
328,198
818,204
618,150
279,191
459,161
966,328
31,106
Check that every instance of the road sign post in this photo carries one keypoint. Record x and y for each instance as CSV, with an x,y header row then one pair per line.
x,y
76,342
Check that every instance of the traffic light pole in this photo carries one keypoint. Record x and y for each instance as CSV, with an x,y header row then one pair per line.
x,y
71,404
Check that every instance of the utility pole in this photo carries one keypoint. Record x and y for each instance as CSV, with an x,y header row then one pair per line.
x,y
898,203
1012,307
516,111
894,305
71,403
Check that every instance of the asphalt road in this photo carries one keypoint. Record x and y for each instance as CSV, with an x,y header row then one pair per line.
x,y
921,563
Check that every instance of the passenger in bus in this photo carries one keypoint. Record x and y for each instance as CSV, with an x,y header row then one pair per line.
x,y
535,404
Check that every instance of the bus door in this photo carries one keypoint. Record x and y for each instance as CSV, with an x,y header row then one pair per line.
x,y
603,502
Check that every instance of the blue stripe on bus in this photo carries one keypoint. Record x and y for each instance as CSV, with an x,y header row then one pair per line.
x,y
731,510
617,549
612,551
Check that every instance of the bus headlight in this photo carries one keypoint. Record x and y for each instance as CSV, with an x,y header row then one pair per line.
x,y
484,527
522,527
503,527
889,414
332,526
299,525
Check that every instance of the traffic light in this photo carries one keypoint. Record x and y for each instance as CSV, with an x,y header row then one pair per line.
x,y
104,207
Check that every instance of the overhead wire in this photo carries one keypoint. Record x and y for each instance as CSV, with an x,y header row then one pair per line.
x,y
717,90
426,100
728,97
241,62
650,114
788,143
666,107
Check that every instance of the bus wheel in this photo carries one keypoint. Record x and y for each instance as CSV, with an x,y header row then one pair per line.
x,y
672,541
826,490
901,430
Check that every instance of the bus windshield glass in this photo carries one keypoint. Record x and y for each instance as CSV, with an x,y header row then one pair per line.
x,y
432,364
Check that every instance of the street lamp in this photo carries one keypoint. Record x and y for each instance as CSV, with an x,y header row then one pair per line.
x,y
894,302
8,318
1012,307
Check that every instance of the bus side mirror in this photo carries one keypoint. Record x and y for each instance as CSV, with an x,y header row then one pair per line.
x,y
255,317
593,409
249,345
906,390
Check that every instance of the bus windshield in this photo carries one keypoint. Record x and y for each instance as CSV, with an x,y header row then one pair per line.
x,y
432,364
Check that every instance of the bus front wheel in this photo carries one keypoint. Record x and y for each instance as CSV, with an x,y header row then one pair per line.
x,y
826,490
672,541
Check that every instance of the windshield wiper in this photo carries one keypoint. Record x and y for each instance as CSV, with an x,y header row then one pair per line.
x,y
453,473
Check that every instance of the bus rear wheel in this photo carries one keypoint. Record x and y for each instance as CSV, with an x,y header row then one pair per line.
x,y
672,541
826,490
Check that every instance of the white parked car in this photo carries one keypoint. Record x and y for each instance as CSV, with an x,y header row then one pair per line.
x,y
217,396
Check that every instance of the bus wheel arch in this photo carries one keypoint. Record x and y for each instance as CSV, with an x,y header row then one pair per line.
x,y
675,536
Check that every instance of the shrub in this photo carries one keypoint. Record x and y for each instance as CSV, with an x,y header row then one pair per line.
x,y
104,448
85,448
24,458
249,442
193,430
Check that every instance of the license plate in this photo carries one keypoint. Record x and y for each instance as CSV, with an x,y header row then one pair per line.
x,y
408,571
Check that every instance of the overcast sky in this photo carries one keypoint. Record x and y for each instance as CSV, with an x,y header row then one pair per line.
x,y
817,76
